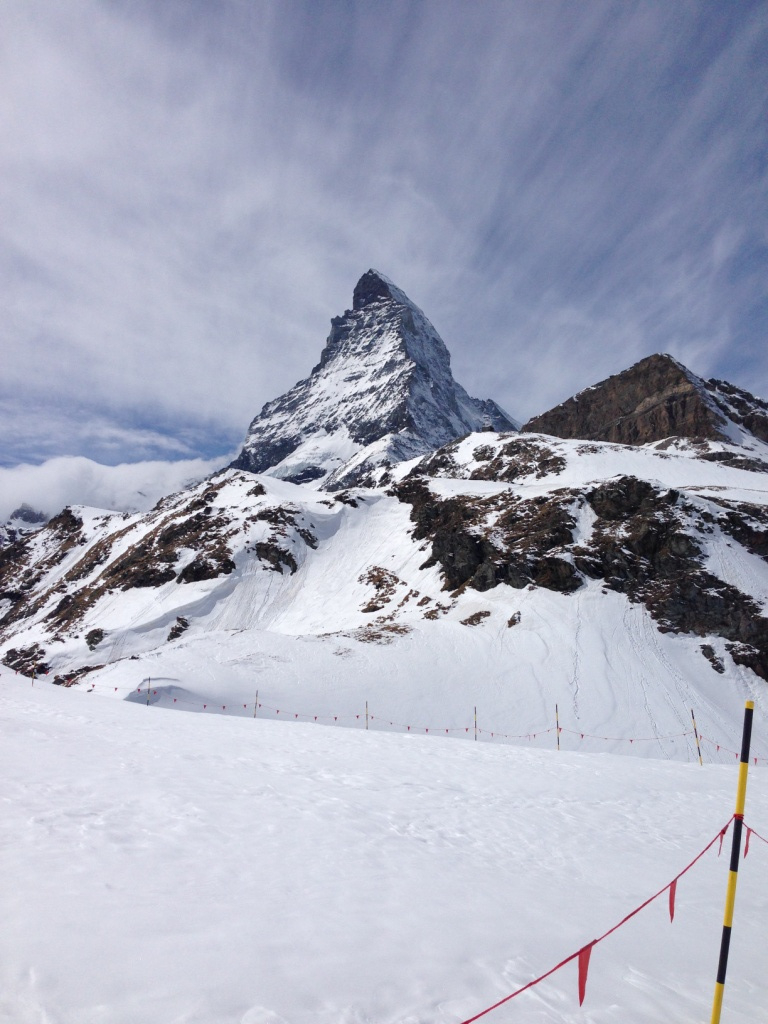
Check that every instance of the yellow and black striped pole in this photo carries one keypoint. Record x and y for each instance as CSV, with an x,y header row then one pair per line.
x,y
730,894
696,734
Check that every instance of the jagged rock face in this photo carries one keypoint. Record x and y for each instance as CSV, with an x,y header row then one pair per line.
x,y
643,541
741,407
382,392
652,400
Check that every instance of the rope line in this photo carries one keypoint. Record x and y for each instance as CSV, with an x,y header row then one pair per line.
x,y
585,950
441,730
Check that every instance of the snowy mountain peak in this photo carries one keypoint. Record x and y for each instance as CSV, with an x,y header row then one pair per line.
x,y
383,392
374,286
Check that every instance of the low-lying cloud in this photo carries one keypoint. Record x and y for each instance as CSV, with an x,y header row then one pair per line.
x,y
74,480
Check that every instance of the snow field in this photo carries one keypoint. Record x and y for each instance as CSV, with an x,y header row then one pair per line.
x,y
595,655
189,868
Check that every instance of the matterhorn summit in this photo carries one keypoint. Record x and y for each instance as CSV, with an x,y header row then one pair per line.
x,y
383,392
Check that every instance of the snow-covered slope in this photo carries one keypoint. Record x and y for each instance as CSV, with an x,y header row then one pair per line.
x,y
183,868
324,840
508,572
383,392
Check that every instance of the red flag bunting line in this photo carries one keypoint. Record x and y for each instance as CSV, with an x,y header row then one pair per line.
x,y
719,746
443,731
751,832
583,955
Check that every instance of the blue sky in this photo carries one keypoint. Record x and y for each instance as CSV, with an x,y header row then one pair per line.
x,y
190,190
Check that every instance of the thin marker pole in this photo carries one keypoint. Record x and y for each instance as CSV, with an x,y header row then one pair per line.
x,y
696,734
733,874
366,714
149,681
557,727
255,703
475,723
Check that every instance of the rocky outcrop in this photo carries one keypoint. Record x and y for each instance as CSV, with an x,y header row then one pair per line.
x,y
654,399
740,407
382,392
643,541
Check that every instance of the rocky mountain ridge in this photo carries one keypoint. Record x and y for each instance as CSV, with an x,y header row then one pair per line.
x,y
654,399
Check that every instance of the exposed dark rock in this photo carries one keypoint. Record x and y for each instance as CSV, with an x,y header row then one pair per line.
x,y
385,585
476,619
93,638
741,407
643,544
709,653
180,626
73,677
736,461
276,557
747,523
200,568
29,661
654,399
65,524
519,458
140,566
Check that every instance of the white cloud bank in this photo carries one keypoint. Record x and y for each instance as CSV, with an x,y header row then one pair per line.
x,y
74,480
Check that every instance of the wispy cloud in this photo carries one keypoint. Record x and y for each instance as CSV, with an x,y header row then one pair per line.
x,y
190,191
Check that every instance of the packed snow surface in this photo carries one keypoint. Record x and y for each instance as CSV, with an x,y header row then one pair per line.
x,y
166,868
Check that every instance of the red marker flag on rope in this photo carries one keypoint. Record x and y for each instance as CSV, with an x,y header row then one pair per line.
x,y
584,955
746,841
672,891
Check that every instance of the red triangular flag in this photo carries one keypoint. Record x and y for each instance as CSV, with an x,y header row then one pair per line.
x,y
720,848
672,891
584,955
746,843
